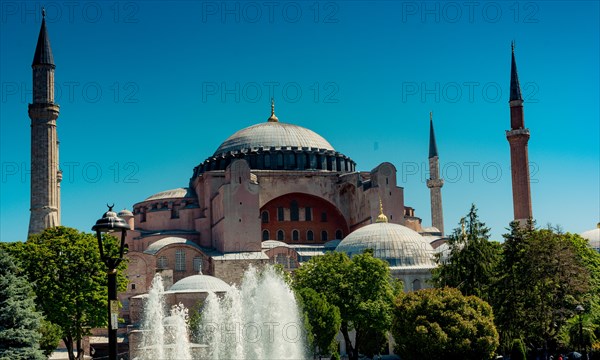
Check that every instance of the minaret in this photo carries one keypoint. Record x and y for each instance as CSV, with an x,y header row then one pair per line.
x,y
45,174
518,136
435,183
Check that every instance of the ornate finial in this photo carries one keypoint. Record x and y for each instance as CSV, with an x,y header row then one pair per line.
x,y
273,118
43,12
512,46
381,218
110,207
431,116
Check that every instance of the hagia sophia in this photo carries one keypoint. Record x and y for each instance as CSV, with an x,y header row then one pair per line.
x,y
273,192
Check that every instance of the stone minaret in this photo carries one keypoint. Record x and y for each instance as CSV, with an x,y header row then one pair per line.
x,y
435,183
45,174
518,136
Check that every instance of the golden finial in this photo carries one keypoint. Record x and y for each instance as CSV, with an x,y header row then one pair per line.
x,y
273,118
381,218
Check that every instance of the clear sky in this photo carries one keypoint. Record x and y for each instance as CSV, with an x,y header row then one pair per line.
x,y
148,90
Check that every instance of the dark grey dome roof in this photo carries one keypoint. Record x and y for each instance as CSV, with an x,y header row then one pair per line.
x,y
273,134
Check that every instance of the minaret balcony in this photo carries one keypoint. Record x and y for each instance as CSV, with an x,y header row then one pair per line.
x,y
517,133
435,183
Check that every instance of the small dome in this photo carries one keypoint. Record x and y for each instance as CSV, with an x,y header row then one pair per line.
x,y
200,283
593,237
125,213
273,134
400,246
172,194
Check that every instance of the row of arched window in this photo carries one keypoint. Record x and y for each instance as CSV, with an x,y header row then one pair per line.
x,y
163,263
294,214
310,235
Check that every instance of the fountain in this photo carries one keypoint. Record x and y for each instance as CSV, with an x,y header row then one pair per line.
x,y
258,320
163,337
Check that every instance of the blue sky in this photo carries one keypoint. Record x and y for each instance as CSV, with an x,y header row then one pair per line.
x,y
148,90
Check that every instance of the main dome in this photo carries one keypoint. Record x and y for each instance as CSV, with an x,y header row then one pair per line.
x,y
273,134
274,145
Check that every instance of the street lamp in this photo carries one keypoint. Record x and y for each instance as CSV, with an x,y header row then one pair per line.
x,y
110,222
580,311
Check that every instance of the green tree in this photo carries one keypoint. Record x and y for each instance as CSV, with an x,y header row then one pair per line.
x,y
19,321
471,264
70,279
517,351
361,288
541,281
51,335
443,324
323,319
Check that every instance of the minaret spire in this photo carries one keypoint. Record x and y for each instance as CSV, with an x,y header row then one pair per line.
x,y
518,137
43,51
45,173
435,183
515,87
273,118
432,145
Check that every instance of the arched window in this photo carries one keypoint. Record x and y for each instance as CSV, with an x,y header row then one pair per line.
x,y
309,235
308,213
324,235
416,285
279,160
162,262
339,235
265,235
267,161
180,260
294,213
280,214
280,235
324,216
265,217
295,235
197,264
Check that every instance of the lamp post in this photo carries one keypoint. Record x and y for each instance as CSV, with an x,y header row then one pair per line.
x,y
580,311
110,222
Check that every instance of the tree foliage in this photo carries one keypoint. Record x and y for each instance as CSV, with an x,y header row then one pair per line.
x,y
443,324
323,319
19,321
541,279
472,260
361,288
67,274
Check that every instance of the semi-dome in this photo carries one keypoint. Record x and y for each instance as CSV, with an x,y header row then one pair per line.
x,y
273,134
172,194
200,283
398,245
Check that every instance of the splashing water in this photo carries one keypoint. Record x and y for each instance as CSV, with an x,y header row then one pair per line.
x,y
164,337
258,320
